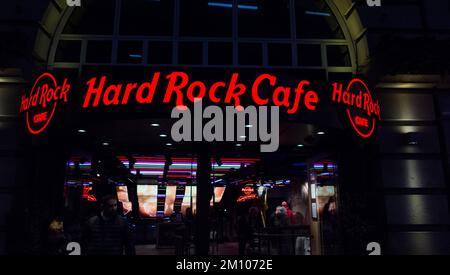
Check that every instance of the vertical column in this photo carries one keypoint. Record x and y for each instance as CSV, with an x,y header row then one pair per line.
x,y
12,199
115,45
204,193
46,165
360,201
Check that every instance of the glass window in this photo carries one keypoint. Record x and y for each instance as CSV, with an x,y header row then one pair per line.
x,y
338,56
309,55
99,52
250,54
68,51
256,19
85,19
280,55
130,52
206,18
147,17
269,18
159,52
316,20
220,53
190,53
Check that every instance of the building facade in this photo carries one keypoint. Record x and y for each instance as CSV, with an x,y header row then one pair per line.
x,y
398,47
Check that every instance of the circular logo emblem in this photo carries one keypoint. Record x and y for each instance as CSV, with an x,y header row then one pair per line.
x,y
247,190
363,112
40,104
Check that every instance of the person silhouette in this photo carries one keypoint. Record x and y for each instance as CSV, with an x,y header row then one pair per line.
x,y
107,233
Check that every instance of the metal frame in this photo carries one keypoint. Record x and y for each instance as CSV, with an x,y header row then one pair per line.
x,y
176,39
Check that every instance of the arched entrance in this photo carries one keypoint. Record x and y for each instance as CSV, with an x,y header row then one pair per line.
x,y
347,31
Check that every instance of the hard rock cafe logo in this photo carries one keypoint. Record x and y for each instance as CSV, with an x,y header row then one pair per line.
x,y
248,194
247,190
362,110
41,103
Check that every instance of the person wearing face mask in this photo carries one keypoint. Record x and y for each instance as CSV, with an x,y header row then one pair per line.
x,y
107,233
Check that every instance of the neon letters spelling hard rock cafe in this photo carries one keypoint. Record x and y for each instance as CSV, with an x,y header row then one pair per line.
x,y
46,95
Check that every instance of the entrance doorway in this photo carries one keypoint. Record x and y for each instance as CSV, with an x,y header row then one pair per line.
x,y
283,203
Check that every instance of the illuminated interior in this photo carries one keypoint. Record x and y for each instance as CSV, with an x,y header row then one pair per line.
x,y
181,168
156,198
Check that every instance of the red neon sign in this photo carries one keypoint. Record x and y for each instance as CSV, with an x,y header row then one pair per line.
x,y
362,111
182,88
87,194
248,194
246,198
41,102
